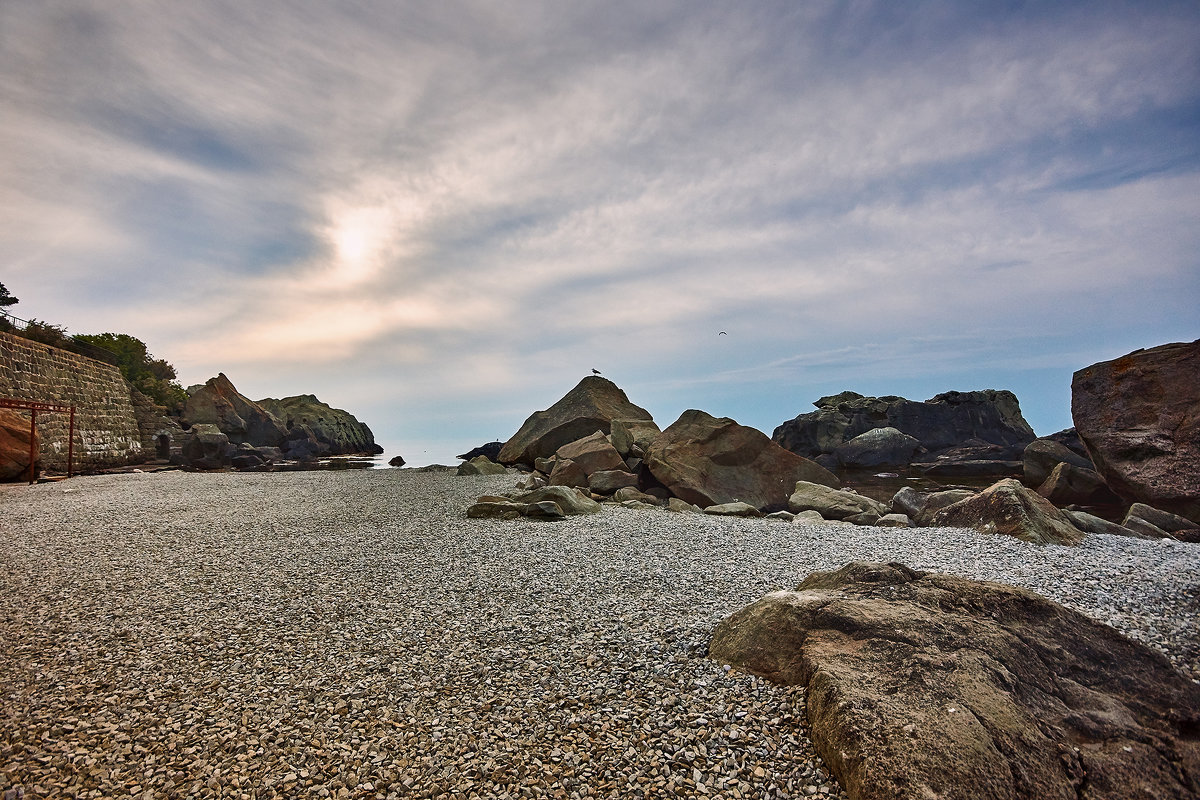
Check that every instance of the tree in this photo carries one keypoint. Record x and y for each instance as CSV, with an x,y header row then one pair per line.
x,y
151,376
6,299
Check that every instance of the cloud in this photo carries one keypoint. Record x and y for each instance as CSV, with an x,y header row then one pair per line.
x,y
485,199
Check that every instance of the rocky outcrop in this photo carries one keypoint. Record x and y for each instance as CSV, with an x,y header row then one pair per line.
x,y
491,450
241,419
207,447
1009,509
14,446
1139,417
709,461
336,432
931,686
982,426
591,406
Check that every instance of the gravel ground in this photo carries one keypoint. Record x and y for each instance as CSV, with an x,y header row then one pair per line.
x,y
352,634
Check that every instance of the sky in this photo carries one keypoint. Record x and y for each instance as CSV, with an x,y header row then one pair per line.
x,y
441,216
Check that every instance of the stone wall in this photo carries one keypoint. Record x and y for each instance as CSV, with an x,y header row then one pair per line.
x,y
106,430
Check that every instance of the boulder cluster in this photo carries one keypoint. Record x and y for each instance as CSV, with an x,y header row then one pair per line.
x,y
222,428
1131,470
600,446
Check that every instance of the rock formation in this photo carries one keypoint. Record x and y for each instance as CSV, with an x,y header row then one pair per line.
x,y
335,431
931,686
591,406
1139,417
709,461
983,426
239,418
1008,508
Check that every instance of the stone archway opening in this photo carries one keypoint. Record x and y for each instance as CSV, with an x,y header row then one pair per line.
x,y
163,446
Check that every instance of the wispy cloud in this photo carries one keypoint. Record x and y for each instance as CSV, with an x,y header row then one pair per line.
x,y
482,198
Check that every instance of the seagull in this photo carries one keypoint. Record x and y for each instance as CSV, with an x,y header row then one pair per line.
x,y
595,372
722,333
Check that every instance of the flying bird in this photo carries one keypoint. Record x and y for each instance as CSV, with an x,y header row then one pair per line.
x,y
722,333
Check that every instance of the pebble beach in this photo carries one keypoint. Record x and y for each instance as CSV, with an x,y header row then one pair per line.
x,y
353,634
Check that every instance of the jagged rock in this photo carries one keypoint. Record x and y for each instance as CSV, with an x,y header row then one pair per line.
x,y
1090,523
396,461
628,434
921,506
544,509
206,446
1165,520
534,480
569,500
629,493
737,509
708,461
14,447
491,509
1139,416
610,480
491,450
683,507
239,418
1008,508
833,503
923,686
878,447
591,406
567,473
335,431
1068,484
481,465
943,422
592,454
1041,456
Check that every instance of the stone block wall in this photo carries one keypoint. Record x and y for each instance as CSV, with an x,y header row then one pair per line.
x,y
106,429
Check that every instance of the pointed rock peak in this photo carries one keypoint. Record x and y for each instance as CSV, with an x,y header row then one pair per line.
x,y
589,407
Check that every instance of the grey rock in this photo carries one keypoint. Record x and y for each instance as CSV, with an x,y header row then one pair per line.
x,y
1008,508
569,500
894,521
481,465
1042,455
833,503
878,447
735,509
1164,520
608,481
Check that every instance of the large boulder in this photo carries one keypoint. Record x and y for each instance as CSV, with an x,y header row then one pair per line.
x,y
1008,508
833,503
481,465
939,424
218,403
335,431
878,447
709,461
927,686
207,447
592,454
591,406
1068,484
1139,417
14,446
631,436
1041,456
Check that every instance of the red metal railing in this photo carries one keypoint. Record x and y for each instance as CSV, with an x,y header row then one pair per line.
x,y
33,407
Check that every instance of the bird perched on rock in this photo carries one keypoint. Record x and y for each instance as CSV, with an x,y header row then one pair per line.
x,y
595,372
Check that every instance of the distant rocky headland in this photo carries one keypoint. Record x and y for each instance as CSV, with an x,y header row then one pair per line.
x,y
113,425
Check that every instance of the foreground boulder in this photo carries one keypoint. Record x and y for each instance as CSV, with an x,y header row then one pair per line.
x,y
335,431
241,419
925,686
709,461
14,446
1139,416
591,406
1008,508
